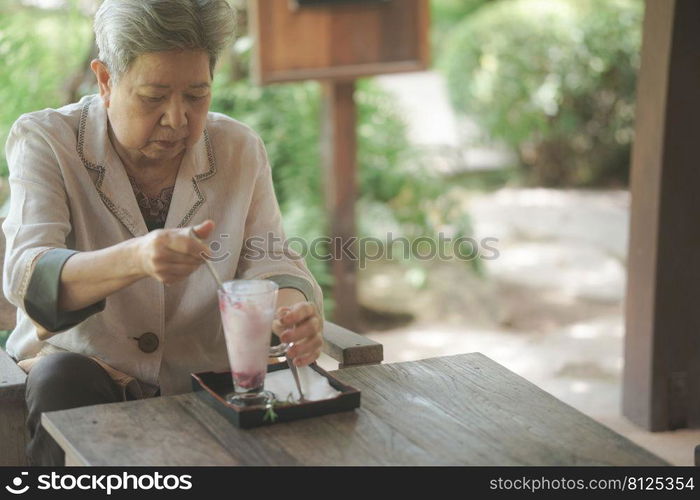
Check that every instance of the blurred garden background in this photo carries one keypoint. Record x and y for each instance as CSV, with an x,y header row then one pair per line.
x,y
520,131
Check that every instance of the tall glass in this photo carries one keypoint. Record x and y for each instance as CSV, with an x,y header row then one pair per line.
x,y
247,311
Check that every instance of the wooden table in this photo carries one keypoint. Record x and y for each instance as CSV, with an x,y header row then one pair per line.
x,y
464,409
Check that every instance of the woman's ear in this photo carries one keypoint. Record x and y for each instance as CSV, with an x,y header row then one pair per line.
x,y
103,80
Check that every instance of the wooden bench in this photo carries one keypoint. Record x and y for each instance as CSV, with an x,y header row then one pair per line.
x,y
345,346
13,410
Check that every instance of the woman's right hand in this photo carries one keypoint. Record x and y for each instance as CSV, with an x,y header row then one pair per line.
x,y
170,255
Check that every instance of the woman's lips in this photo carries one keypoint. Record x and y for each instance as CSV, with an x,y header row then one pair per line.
x,y
168,144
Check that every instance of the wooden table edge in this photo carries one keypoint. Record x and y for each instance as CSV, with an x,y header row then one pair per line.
x,y
72,457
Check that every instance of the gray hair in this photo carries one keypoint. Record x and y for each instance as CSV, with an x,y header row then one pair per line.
x,y
126,29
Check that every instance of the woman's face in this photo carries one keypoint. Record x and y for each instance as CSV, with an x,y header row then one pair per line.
x,y
159,106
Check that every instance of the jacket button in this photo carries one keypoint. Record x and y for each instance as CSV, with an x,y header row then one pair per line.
x,y
148,342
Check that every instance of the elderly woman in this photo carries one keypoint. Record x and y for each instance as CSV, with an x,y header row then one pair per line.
x,y
113,300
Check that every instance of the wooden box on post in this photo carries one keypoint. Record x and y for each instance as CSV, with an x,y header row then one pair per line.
x,y
337,39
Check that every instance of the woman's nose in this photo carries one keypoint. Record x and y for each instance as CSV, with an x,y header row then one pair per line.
x,y
175,116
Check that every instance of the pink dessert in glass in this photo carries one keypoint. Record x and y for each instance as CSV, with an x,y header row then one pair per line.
x,y
247,329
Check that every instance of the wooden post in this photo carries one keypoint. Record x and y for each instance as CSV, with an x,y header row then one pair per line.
x,y
339,153
661,386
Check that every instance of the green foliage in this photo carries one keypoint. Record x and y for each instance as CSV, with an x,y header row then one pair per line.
x,y
40,51
445,14
554,79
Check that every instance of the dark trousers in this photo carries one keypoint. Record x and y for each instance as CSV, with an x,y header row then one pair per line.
x,y
59,382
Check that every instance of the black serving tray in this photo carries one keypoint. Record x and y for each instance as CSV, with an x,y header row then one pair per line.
x,y
213,387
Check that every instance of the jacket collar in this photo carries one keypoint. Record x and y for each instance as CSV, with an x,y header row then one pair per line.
x,y
109,176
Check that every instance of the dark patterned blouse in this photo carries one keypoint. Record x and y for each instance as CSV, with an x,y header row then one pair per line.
x,y
154,210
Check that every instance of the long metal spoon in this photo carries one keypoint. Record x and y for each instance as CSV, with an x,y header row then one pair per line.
x,y
295,374
210,266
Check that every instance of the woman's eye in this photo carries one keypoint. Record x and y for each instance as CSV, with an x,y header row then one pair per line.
x,y
196,97
152,98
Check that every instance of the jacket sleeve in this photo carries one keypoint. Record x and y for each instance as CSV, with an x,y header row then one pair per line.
x,y
37,223
264,254
41,299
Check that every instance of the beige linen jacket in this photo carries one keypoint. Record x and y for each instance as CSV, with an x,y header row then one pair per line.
x,y
70,190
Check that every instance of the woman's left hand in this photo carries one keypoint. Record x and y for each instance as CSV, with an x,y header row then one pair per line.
x,y
301,325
